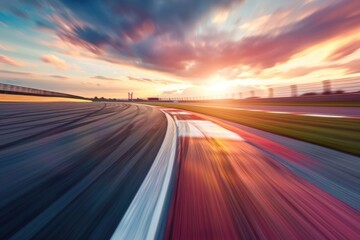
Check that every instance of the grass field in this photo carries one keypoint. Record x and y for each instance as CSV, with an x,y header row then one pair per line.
x,y
315,104
308,104
335,133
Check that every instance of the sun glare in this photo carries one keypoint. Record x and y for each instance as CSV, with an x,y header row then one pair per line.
x,y
220,86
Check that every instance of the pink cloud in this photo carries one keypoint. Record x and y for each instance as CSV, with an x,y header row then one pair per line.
x,y
172,46
205,55
265,51
350,67
10,61
55,61
345,50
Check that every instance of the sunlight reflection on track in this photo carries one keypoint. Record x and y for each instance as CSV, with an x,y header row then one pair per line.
x,y
230,189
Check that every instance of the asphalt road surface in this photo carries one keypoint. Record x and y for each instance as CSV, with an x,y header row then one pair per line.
x,y
71,170
126,171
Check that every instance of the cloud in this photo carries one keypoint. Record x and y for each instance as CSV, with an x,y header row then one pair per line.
x,y
126,32
300,72
345,50
134,19
144,37
91,36
5,48
10,61
164,35
15,73
105,78
220,16
58,77
91,84
139,79
265,51
350,67
55,61
148,80
172,92
169,92
4,25
260,25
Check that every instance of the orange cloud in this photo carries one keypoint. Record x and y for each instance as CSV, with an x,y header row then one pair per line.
x,y
345,50
10,61
55,61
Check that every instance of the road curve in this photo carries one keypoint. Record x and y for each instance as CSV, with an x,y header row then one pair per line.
x,y
127,171
146,215
71,170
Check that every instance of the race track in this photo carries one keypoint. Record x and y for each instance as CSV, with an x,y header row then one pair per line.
x,y
70,170
130,171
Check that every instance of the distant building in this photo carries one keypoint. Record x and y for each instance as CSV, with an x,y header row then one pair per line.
x,y
153,99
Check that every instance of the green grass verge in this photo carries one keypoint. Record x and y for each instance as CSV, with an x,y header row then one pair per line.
x,y
335,133
233,103
309,104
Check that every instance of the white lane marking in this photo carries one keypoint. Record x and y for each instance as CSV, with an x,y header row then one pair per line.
x,y
180,113
278,112
186,129
142,218
169,109
321,115
175,111
203,128
255,110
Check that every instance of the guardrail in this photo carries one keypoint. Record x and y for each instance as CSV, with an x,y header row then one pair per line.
x,y
13,89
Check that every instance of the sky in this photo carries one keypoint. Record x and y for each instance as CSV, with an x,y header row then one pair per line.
x,y
176,48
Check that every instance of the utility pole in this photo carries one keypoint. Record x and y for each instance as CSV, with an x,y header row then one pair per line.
x,y
271,92
130,96
326,87
293,90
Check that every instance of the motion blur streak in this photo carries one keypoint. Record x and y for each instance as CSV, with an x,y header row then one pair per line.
x,y
327,112
143,220
335,172
71,170
230,189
